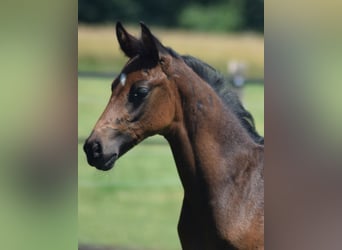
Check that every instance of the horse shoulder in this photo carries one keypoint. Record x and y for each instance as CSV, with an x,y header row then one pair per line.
x,y
240,207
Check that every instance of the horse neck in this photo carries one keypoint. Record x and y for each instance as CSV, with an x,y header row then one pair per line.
x,y
206,139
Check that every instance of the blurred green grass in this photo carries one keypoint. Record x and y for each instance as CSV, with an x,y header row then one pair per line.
x,y
136,204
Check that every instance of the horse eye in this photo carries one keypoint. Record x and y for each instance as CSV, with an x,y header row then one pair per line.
x,y
138,94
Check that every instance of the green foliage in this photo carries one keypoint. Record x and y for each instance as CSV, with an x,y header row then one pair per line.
x,y
101,11
253,13
221,17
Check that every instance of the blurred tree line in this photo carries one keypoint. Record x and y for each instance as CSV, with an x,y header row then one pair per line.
x,y
208,15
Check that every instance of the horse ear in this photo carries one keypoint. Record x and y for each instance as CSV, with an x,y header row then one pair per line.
x,y
151,45
128,43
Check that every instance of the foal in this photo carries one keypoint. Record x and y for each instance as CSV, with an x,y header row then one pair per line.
x,y
218,153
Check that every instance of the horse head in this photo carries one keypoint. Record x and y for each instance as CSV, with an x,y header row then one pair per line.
x,y
142,101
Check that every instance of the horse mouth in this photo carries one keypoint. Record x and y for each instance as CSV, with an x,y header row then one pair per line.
x,y
105,159
107,165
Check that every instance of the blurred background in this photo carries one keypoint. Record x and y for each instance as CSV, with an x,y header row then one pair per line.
x,y
38,146
210,22
137,204
210,15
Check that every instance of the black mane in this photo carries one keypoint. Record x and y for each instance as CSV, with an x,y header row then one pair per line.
x,y
221,86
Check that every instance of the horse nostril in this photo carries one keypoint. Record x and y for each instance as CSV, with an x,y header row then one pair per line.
x,y
96,148
93,149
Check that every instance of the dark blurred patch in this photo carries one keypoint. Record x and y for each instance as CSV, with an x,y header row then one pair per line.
x,y
48,172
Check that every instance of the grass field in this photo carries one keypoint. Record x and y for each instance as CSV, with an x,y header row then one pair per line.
x,y
136,204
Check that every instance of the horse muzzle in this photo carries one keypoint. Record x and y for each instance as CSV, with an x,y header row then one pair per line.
x,y
96,157
103,154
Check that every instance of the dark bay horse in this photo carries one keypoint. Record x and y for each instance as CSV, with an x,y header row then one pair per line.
x,y
218,153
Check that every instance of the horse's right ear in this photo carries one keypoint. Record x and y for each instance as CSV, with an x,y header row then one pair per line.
x,y
128,43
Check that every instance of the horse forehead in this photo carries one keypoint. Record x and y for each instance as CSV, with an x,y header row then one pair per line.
x,y
137,69
139,73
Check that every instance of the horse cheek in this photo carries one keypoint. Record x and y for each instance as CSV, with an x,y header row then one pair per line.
x,y
158,117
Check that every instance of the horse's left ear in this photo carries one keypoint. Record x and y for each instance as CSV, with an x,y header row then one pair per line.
x,y
128,43
152,46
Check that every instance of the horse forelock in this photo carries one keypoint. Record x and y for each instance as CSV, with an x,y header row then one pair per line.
x,y
131,60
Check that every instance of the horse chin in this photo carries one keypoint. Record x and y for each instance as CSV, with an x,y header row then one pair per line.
x,y
109,159
109,164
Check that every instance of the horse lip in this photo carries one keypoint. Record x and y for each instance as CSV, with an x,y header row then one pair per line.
x,y
108,164
121,145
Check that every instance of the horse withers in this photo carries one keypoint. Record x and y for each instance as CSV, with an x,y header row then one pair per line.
x,y
217,151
